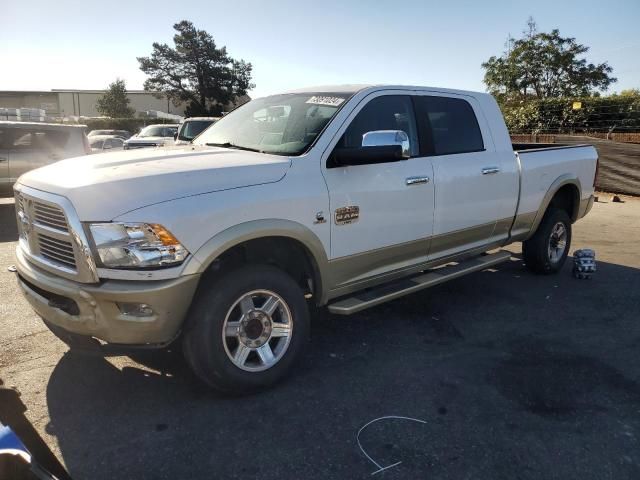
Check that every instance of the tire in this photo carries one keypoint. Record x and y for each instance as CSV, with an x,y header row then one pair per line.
x,y
546,251
273,325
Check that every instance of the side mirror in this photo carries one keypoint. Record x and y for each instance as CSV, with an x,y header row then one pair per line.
x,y
379,146
380,138
175,136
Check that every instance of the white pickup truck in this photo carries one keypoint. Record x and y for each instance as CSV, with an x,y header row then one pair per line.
x,y
343,197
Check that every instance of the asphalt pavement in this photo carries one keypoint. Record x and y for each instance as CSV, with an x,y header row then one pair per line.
x,y
511,376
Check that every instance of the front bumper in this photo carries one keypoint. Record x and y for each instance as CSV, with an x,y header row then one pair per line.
x,y
92,310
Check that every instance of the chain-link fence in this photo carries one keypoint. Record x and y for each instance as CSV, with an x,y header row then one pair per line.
x,y
611,124
613,118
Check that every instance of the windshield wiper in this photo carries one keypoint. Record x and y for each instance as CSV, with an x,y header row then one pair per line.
x,y
231,145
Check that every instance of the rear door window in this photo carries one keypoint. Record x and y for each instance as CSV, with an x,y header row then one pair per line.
x,y
38,139
452,123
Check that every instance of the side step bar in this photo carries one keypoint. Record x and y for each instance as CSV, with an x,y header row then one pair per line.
x,y
400,288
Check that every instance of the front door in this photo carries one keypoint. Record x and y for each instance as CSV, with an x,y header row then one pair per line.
x,y
381,214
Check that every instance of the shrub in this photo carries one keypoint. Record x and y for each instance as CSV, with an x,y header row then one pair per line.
x,y
618,113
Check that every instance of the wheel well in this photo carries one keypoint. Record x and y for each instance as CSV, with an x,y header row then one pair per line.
x,y
567,198
284,253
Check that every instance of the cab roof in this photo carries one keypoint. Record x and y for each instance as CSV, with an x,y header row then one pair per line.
x,y
355,88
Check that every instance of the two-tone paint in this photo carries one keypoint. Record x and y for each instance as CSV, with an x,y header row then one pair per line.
x,y
213,199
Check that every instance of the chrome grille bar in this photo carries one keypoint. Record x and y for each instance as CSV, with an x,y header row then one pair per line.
x,y
57,250
50,216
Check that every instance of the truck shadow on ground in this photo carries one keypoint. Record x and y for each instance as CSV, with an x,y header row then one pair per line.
x,y
511,371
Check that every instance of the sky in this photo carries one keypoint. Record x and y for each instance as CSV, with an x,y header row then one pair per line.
x,y
65,44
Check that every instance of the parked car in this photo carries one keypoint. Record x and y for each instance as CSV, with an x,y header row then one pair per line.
x,y
190,128
152,136
117,133
343,197
102,143
28,145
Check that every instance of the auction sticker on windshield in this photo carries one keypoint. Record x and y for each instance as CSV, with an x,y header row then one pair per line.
x,y
322,100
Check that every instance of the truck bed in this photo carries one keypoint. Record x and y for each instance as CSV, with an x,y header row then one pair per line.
x,y
521,147
543,164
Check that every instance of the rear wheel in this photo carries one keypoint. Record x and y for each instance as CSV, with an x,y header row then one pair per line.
x,y
246,329
546,251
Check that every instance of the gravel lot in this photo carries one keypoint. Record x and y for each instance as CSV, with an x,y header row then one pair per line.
x,y
516,376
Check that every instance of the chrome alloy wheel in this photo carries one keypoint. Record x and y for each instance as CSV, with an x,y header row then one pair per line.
x,y
257,330
557,242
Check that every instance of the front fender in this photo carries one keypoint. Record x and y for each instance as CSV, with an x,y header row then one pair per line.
x,y
255,229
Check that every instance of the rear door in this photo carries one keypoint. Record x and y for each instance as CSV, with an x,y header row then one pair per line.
x,y
5,183
116,143
388,211
35,146
473,201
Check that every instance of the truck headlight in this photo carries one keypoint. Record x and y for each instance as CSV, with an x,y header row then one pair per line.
x,y
136,245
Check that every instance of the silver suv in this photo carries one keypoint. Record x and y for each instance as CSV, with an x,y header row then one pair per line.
x,y
28,145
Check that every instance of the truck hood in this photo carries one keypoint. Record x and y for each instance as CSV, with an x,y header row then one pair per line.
x,y
106,185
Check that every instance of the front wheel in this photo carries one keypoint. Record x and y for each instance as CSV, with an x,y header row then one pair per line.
x,y
546,251
246,329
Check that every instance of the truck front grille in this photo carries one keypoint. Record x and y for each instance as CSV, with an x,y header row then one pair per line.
x,y
51,235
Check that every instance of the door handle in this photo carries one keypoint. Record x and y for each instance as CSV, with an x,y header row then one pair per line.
x,y
490,170
416,180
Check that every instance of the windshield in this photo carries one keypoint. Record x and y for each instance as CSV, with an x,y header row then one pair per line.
x,y
158,131
192,128
281,124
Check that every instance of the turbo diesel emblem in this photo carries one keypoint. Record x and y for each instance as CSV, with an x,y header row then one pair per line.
x,y
346,215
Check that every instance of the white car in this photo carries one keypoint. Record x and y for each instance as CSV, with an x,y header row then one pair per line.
x,y
152,136
28,145
105,143
344,197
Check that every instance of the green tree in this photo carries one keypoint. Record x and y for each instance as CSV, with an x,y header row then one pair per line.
x,y
631,92
115,103
545,65
196,72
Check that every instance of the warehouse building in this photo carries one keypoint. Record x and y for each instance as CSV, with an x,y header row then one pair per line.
x,y
77,103
82,103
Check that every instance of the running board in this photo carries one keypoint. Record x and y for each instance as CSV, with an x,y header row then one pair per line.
x,y
400,288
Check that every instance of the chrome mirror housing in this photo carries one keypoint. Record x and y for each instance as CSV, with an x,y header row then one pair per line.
x,y
379,138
